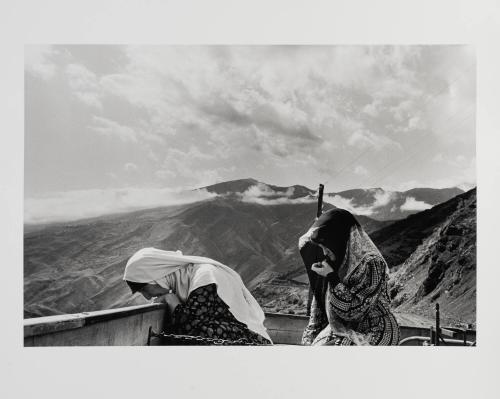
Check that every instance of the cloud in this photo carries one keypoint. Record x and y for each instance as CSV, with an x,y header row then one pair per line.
x,y
263,190
259,109
84,85
364,138
111,128
164,174
254,96
383,198
79,204
372,109
347,204
191,167
438,158
264,195
361,171
130,167
37,61
411,204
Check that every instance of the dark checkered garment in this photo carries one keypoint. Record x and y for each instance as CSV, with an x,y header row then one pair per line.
x,y
205,314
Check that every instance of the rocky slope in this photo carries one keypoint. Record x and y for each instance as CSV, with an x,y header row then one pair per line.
x,y
381,204
399,240
442,269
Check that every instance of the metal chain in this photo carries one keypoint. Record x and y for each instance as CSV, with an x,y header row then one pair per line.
x,y
180,339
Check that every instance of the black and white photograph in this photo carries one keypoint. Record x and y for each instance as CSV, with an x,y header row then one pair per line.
x,y
250,195
261,200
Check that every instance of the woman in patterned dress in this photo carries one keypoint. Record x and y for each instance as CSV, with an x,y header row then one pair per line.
x,y
348,276
205,298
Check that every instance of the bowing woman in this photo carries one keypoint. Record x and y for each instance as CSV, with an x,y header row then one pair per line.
x,y
348,276
205,297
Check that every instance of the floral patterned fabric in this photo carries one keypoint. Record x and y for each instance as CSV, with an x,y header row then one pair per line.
x,y
205,314
357,310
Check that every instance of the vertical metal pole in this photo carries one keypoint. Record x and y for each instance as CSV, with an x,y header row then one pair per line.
x,y
438,328
318,214
320,200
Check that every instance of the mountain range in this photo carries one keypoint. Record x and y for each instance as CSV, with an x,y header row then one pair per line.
x,y
376,203
250,226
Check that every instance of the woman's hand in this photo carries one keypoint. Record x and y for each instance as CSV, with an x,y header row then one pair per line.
x,y
322,268
171,299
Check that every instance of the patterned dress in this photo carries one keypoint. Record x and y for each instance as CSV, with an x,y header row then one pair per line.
x,y
204,314
357,310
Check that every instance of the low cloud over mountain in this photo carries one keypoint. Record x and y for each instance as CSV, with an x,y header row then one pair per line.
x,y
81,204
376,203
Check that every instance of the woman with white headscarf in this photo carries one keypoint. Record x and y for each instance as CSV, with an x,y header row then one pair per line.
x,y
348,275
205,297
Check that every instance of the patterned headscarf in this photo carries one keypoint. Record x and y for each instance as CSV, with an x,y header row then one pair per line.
x,y
339,231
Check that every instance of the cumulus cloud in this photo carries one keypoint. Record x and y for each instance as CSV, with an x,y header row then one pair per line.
x,y
190,167
306,110
241,90
37,61
110,128
264,195
363,138
79,204
347,204
383,198
84,84
411,204
263,190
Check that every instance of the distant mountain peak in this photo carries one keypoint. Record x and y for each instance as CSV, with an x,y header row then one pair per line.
x,y
231,186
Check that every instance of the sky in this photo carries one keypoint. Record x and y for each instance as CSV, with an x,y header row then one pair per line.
x,y
112,127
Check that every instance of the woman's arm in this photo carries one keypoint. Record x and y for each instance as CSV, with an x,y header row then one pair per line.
x,y
350,300
317,322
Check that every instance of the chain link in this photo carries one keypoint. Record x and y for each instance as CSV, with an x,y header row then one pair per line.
x,y
179,339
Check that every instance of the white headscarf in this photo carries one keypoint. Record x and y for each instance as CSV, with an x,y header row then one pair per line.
x,y
184,274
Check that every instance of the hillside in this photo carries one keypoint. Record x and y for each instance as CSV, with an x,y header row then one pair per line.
x,y
78,266
398,240
443,268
